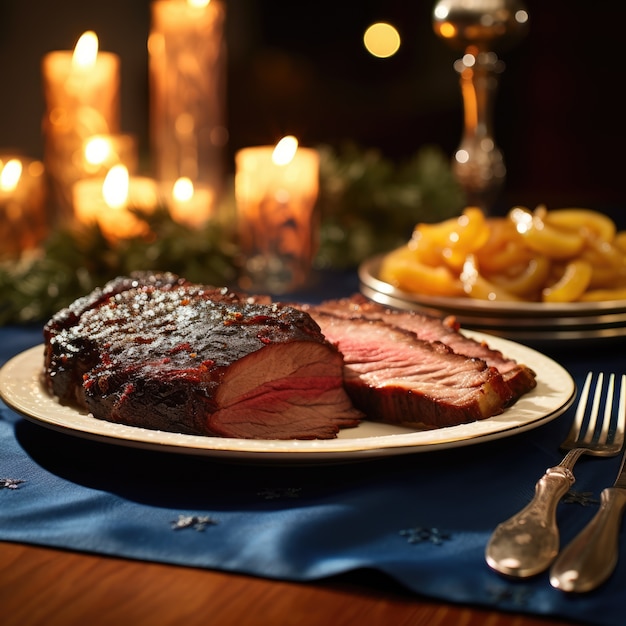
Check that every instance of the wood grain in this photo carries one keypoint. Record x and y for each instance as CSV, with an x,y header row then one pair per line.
x,y
42,586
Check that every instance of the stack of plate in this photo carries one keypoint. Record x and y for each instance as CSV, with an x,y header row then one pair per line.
x,y
528,322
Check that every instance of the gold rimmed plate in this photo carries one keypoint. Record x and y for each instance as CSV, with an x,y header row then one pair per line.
x,y
22,390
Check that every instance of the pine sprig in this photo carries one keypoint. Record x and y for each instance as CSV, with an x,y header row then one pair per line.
x,y
75,260
368,204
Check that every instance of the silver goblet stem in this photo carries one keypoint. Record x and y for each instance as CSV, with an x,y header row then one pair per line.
x,y
478,27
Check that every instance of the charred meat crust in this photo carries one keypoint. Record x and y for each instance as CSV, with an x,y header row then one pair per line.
x,y
172,356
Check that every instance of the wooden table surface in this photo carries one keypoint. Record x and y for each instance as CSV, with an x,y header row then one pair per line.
x,y
62,588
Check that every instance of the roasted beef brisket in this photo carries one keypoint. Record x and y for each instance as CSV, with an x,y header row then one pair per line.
x,y
163,354
156,351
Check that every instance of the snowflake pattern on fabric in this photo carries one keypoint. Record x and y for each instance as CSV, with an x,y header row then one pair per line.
x,y
196,522
10,483
517,596
420,534
279,493
584,498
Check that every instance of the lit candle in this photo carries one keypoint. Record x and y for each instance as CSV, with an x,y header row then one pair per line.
x,y
107,201
187,62
101,152
189,204
23,223
81,90
276,189
10,176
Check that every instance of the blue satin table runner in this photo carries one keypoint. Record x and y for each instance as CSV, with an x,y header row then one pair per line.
x,y
421,519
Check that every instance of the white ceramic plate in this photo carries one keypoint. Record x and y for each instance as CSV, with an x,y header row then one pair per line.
x,y
21,389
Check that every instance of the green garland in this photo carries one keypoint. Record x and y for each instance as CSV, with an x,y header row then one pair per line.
x,y
76,260
367,205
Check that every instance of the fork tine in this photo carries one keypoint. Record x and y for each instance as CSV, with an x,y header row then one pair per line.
x,y
621,412
595,405
608,409
576,426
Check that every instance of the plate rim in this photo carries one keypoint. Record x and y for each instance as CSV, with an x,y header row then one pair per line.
x,y
20,376
549,335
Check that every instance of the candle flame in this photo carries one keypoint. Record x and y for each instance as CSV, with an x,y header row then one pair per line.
x,y
97,150
86,50
285,150
183,189
10,174
115,187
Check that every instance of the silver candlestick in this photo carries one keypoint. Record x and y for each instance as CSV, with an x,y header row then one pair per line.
x,y
478,28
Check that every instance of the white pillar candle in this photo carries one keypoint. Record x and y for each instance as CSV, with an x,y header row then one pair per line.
x,y
276,189
187,62
81,90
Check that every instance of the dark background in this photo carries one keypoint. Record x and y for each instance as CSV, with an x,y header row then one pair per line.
x,y
301,68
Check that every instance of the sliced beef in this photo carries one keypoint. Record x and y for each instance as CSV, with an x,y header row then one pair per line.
x,y
393,376
177,357
519,378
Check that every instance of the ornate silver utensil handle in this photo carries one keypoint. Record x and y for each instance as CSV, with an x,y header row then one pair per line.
x,y
528,542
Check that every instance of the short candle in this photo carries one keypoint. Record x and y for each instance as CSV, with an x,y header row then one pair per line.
x,y
107,201
276,190
23,220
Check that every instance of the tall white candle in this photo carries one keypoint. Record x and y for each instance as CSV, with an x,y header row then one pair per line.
x,y
81,90
187,60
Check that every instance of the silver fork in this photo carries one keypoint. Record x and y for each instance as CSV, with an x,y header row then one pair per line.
x,y
528,542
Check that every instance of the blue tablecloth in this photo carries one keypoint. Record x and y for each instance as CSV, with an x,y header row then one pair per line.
x,y
421,519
